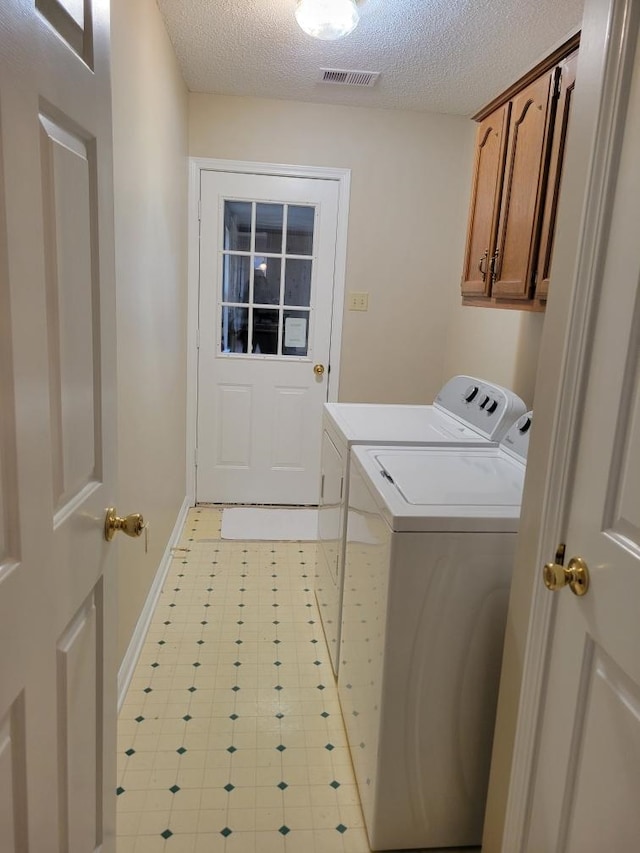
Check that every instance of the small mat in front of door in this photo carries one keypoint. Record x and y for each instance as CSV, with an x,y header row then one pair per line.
x,y
267,524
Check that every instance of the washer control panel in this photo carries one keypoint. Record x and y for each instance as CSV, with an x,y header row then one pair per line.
x,y
490,409
516,441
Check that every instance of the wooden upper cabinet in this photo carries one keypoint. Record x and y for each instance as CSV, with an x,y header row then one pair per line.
x,y
523,190
565,102
520,146
485,203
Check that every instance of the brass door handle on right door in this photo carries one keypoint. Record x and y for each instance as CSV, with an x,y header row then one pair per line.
x,y
575,576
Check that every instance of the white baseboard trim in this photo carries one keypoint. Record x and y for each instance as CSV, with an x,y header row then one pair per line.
x,y
128,665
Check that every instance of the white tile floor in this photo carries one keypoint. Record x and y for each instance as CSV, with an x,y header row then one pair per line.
x,y
230,737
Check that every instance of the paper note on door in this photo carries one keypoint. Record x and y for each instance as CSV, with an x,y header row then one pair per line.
x,y
295,332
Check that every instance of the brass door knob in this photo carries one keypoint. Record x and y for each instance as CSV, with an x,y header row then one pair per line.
x,y
132,525
318,369
575,576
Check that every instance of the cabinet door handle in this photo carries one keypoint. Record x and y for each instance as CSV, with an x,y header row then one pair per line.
x,y
483,260
493,266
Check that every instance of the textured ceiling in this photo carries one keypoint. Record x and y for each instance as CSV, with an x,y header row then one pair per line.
x,y
449,56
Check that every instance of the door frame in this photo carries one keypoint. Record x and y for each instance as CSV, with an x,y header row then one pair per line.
x,y
605,61
196,166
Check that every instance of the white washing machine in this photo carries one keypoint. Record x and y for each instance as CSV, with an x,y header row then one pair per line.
x,y
430,543
467,411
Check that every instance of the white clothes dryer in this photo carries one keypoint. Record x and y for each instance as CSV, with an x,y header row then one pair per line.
x,y
467,411
430,543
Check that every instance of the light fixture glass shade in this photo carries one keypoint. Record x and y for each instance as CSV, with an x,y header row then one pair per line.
x,y
327,19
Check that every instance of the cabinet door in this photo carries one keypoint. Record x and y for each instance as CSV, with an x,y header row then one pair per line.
x,y
523,191
485,202
565,101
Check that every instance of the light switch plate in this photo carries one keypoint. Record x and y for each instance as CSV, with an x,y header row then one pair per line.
x,y
358,301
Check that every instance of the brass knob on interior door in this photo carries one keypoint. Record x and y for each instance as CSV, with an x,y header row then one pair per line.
x,y
318,369
132,525
575,576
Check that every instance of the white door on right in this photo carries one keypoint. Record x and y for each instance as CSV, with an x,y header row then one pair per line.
x,y
586,796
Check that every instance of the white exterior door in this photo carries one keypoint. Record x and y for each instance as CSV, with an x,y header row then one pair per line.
x,y
267,259
587,785
57,437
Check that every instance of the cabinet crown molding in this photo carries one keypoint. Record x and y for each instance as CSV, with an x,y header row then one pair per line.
x,y
544,65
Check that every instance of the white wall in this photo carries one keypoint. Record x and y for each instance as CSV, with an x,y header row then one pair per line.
x,y
495,343
411,174
150,165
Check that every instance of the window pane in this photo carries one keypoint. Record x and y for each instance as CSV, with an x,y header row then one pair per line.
x,y
269,228
295,337
266,280
297,282
235,278
300,230
235,328
265,331
237,226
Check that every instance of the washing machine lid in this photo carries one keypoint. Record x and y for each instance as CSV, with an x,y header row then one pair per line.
x,y
444,489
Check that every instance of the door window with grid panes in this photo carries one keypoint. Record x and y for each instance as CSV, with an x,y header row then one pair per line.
x,y
267,273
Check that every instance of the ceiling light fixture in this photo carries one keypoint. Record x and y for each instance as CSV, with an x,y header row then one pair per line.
x,y
327,19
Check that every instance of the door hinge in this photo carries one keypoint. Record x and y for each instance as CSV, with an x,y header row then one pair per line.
x,y
199,209
321,486
195,456
197,338
341,486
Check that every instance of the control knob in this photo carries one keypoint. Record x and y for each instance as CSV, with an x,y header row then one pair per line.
x,y
493,405
484,401
470,393
524,423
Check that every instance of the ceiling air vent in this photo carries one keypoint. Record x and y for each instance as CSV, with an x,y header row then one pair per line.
x,y
339,77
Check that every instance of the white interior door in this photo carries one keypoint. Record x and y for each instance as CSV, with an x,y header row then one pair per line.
x,y
587,786
267,259
57,437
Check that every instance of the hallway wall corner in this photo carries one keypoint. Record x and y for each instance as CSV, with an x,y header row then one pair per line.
x,y
150,112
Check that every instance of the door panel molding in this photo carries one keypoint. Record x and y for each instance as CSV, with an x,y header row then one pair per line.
x,y
13,777
79,722
604,690
288,443
73,23
623,493
73,312
200,164
233,448
604,67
